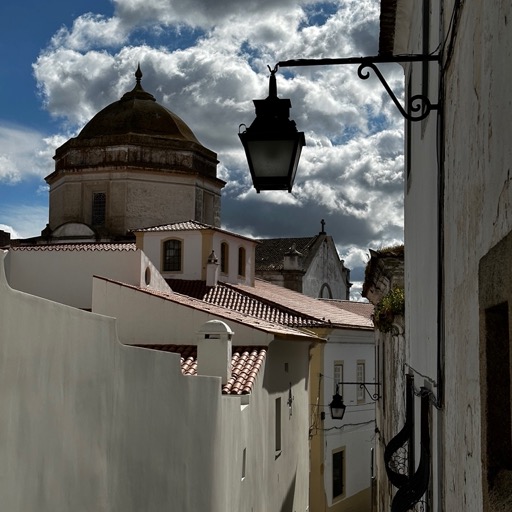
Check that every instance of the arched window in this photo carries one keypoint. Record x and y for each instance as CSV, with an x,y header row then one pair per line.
x,y
171,257
224,257
325,292
241,261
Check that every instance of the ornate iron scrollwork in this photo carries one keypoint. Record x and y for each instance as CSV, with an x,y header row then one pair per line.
x,y
412,492
418,107
398,454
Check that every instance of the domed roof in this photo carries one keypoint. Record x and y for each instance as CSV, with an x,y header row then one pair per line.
x,y
137,112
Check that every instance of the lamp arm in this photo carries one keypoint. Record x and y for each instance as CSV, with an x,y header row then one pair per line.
x,y
373,397
417,103
418,106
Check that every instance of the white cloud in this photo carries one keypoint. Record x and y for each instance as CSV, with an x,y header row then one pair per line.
x,y
91,31
23,220
24,153
351,169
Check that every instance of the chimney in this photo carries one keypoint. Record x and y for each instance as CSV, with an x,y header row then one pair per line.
x,y
214,350
212,270
292,259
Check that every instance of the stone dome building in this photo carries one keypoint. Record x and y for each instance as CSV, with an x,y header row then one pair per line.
x,y
134,164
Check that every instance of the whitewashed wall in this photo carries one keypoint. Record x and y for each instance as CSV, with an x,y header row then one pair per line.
x,y
90,424
358,432
325,268
197,246
66,276
272,480
477,201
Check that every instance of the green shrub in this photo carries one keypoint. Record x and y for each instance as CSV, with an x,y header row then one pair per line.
x,y
390,305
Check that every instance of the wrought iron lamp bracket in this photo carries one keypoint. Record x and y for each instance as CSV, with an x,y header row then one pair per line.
x,y
363,385
374,396
418,107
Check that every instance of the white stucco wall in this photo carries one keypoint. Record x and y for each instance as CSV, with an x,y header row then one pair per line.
x,y
357,435
197,246
477,200
65,276
325,268
149,318
90,424
477,204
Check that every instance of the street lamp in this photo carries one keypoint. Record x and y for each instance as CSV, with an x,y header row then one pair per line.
x,y
337,406
272,143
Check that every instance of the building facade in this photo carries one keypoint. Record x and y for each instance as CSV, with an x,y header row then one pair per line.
x,y
457,238
134,164
309,265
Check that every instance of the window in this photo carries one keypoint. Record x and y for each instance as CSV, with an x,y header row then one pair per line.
x,y
241,261
224,257
360,379
325,292
338,376
99,204
244,460
171,256
338,474
278,427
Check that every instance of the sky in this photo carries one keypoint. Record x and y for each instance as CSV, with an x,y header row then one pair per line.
x,y
205,60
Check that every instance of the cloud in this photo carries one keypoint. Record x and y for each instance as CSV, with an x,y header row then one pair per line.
x,y
23,220
206,61
25,153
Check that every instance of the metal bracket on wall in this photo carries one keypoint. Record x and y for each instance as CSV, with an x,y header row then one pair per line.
x,y
418,106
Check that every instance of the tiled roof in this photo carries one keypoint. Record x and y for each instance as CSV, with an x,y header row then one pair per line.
x,y
190,225
270,253
192,288
272,311
77,247
304,305
279,305
246,363
261,324
364,309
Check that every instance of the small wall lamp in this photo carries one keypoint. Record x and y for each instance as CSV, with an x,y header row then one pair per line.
x,y
337,406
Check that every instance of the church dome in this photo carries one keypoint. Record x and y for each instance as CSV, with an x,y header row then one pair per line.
x,y
135,133
137,112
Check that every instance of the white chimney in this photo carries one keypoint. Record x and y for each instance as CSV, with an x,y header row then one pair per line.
x,y
212,270
292,259
214,350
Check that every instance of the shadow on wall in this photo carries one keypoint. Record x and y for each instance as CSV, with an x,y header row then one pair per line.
x,y
286,364
288,502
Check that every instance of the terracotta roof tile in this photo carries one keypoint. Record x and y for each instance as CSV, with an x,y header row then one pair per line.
x,y
261,324
93,247
279,305
231,297
246,363
190,225
364,309
189,287
300,304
